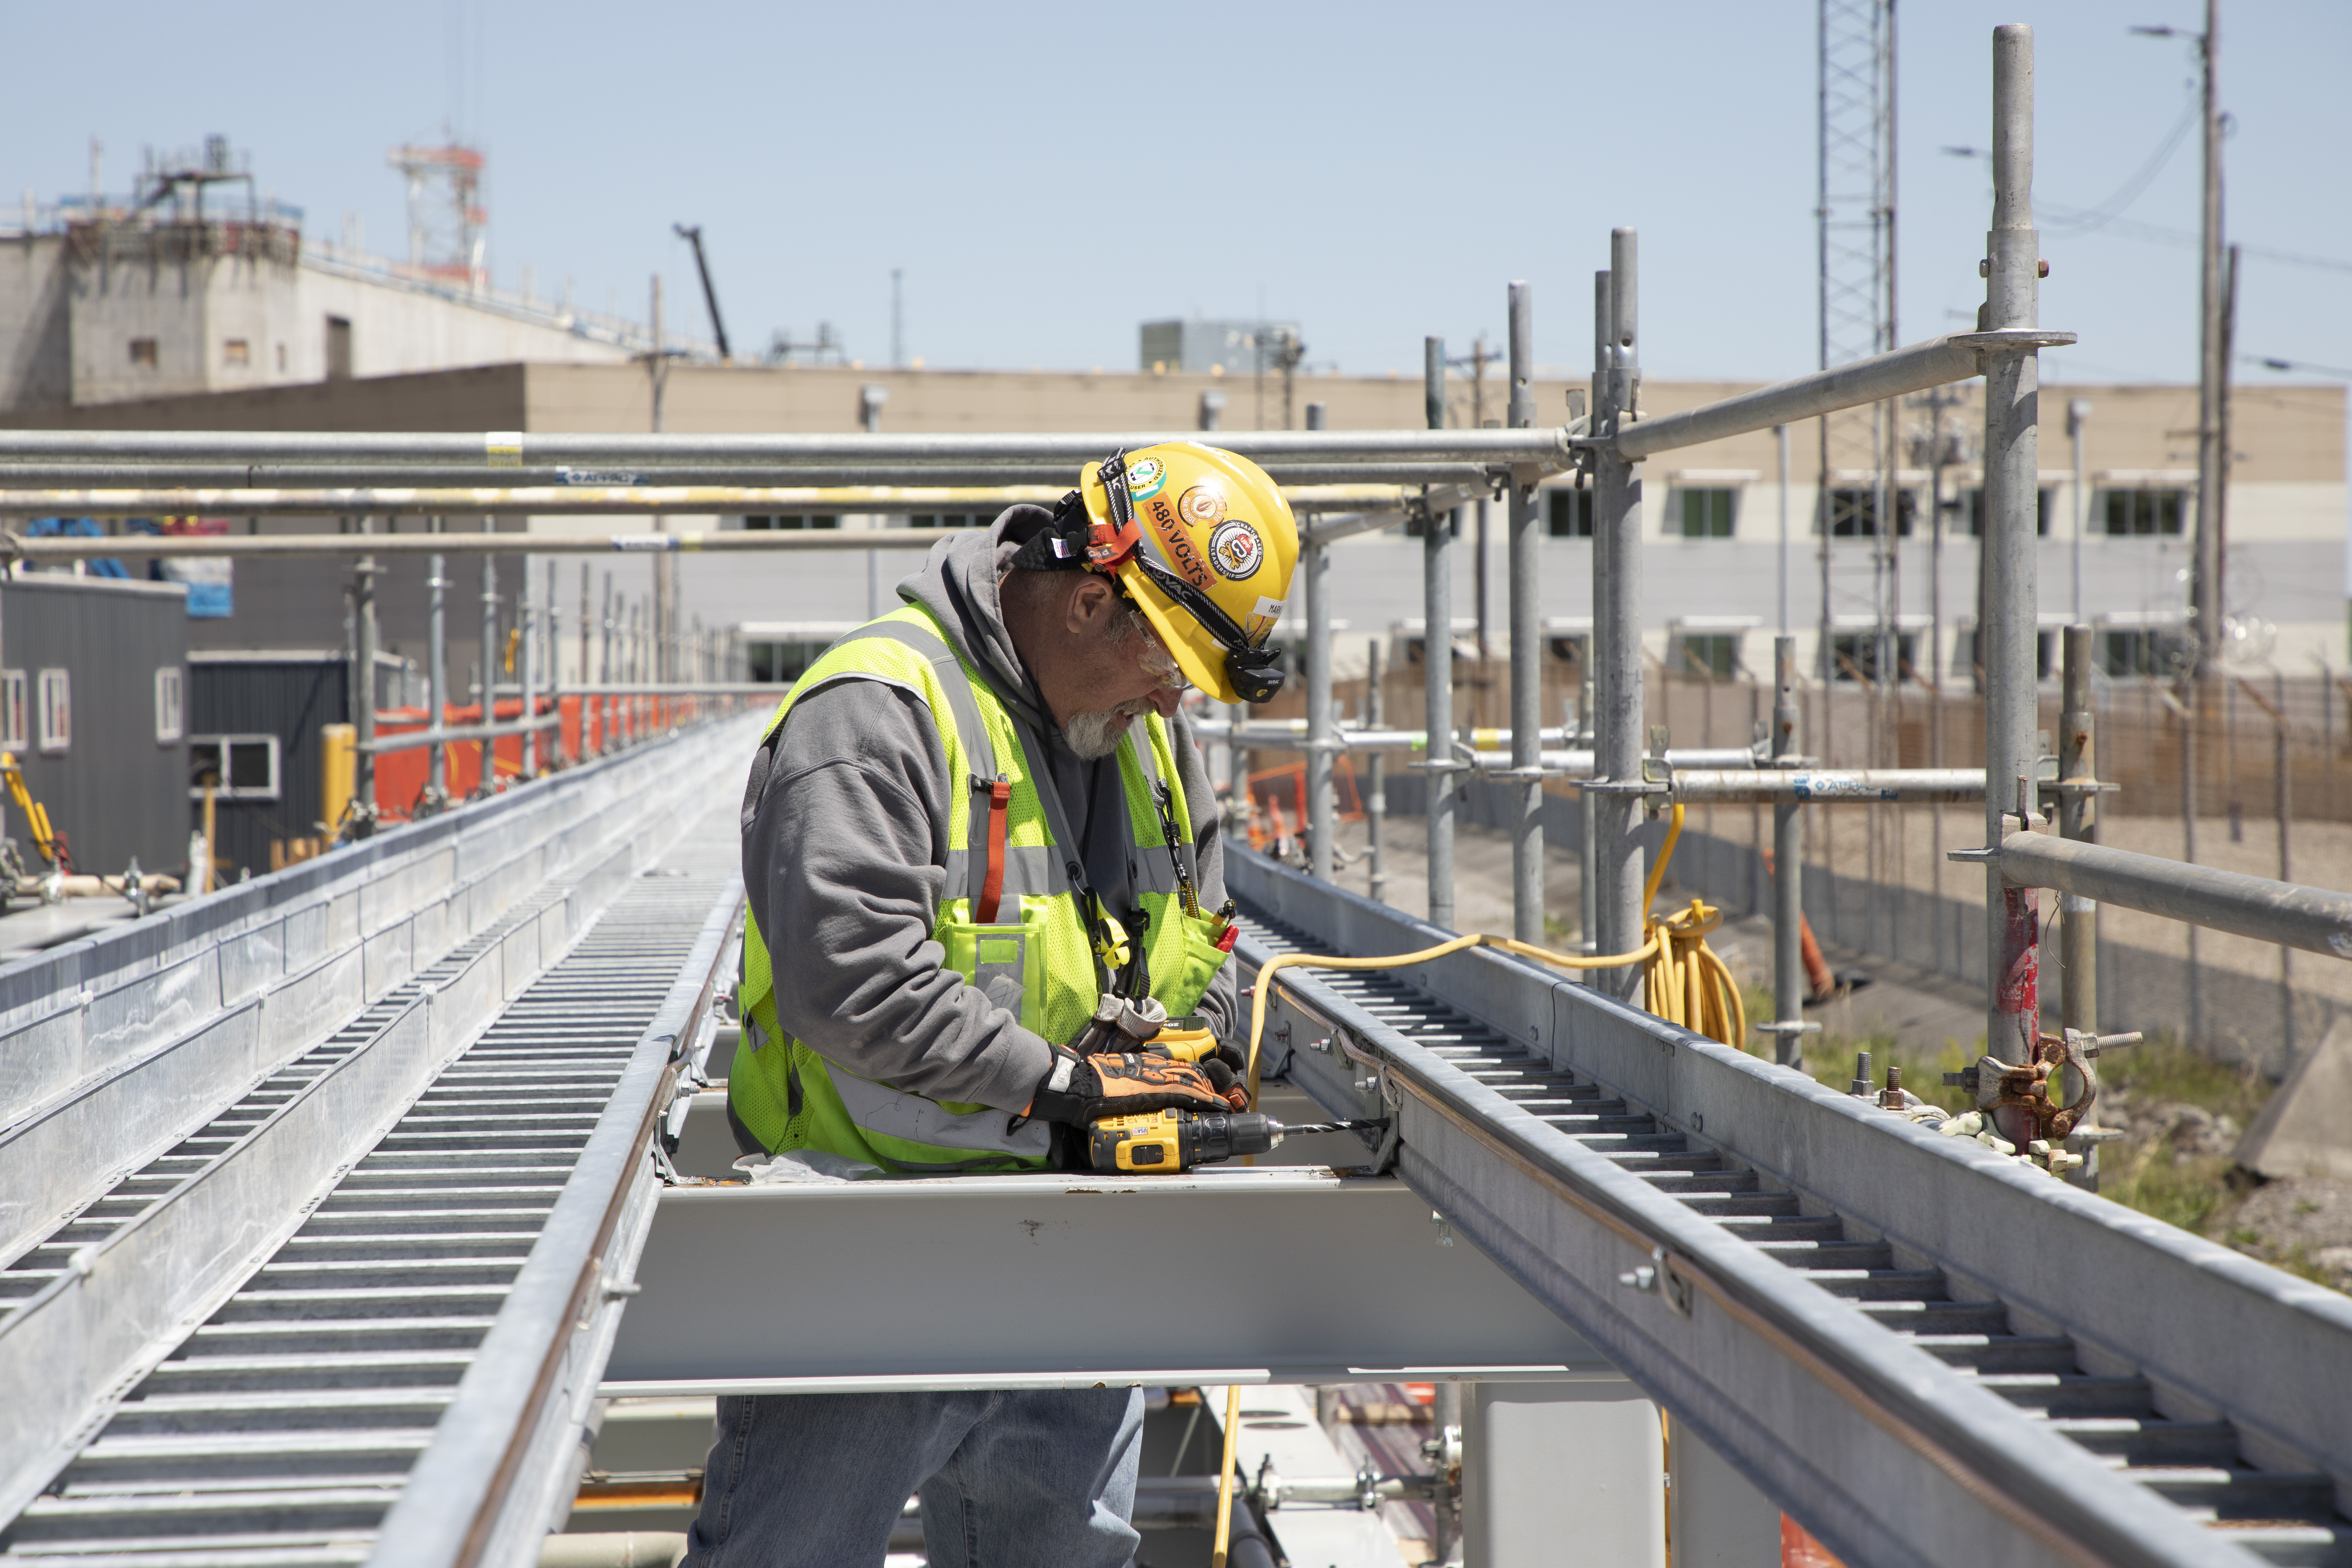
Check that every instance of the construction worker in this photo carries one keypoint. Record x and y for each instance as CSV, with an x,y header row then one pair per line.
x,y
982,855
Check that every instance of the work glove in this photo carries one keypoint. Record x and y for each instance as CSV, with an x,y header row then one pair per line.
x,y
1079,1089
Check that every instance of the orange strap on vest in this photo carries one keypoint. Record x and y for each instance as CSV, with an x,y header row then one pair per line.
x,y
992,890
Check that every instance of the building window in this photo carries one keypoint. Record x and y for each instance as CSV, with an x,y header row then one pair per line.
x,y
1855,656
242,767
1568,514
1853,511
236,351
2045,502
56,710
1707,653
1706,514
16,723
339,348
2161,654
169,705
951,519
142,352
2143,512
281,359
2046,654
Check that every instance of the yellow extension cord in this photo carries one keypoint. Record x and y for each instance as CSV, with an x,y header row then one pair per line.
x,y
1684,982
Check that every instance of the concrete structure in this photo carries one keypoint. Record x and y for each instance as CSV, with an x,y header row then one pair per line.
x,y
108,311
1711,518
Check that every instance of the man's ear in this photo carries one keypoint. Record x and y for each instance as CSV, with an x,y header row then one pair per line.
x,y
1089,606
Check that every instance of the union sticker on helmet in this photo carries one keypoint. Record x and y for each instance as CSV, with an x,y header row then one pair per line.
x,y
1235,550
1144,477
1202,506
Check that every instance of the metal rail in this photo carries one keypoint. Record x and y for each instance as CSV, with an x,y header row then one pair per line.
x,y
1794,1260
1546,449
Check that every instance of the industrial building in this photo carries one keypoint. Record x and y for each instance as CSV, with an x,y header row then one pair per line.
x,y
387,1206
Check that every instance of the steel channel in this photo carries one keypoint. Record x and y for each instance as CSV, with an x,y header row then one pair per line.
x,y
1781,1355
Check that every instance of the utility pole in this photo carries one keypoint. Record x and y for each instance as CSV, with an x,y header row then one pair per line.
x,y
2212,475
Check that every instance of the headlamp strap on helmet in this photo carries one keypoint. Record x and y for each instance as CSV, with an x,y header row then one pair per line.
x,y
1109,544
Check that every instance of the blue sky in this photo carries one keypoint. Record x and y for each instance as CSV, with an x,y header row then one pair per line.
x,y
1048,176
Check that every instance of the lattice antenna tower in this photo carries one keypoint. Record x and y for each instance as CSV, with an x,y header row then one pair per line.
x,y
1856,216
448,224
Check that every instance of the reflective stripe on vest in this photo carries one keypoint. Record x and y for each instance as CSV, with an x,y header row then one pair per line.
x,y
1034,959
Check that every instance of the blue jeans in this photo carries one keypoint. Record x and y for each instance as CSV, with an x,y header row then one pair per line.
x,y
1025,1479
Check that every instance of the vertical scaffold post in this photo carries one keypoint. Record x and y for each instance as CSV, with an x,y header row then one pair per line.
x,y
1320,729
1376,782
1788,874
436,678
1438,662
363,700
527,614
1526,645
2078,929
2011,454
489,657
1617,635
553,669
1588,887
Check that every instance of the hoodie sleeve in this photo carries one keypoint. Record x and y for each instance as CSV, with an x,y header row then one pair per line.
x,y
845,857
1221,1005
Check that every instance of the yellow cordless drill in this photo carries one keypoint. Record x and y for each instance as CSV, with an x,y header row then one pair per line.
x,y
1164,1143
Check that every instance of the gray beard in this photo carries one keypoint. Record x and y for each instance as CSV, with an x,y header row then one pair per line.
x,y
1091,735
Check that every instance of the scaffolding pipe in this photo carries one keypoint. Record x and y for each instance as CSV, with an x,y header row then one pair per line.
x,y
2284,913
411,740
2078,918
1547,447
1376,802
1834,787
1878,379
1319,803
1617,634
527,620
1788,984
1437,661
489,651
1526,644
2008,648
436,678
363,700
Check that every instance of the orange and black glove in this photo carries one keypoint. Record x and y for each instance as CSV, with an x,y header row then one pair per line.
x,y
1082,1090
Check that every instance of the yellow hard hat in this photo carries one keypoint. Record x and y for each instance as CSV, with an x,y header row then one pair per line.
x,y
1202,541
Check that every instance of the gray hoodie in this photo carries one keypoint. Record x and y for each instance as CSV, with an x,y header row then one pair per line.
x,y
844,853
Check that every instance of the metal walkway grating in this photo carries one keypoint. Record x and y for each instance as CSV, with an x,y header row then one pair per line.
x,y
2282,1518
281,1430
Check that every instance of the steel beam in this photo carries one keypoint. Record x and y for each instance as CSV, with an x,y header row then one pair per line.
x,y
1319,1278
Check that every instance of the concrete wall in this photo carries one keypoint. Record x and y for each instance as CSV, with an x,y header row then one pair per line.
x,y
35,372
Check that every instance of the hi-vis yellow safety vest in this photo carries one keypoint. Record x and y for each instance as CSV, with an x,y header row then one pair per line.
x,y
1017,923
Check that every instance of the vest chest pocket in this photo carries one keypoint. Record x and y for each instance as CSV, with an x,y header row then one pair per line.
x,y
1005,963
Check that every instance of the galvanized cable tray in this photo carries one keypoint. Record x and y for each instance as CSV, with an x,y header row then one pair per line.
x,y
284,1428
1789,1325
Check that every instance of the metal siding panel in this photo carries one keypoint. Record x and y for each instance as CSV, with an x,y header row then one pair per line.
x,y
290,699
116,792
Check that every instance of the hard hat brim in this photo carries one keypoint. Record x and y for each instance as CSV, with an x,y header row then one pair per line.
x,y
1200,656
